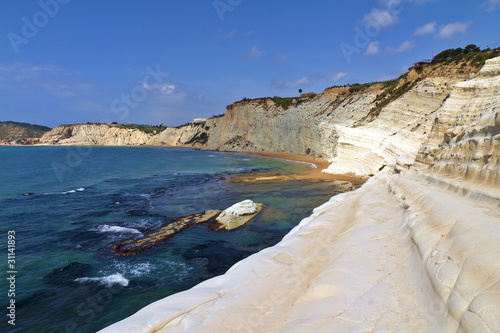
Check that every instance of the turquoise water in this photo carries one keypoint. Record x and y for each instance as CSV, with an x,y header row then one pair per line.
x,y
67,204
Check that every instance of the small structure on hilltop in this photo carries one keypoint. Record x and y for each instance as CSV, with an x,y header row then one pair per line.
x,y
419,66
199,120
309,94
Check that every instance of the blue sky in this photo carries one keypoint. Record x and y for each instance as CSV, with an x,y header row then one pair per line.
x,y
151,62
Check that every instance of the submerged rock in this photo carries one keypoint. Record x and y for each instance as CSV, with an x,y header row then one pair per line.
x,y
162,234
237,215
67,274
219,255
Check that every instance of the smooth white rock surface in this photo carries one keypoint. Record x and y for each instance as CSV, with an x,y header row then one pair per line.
x,y
417,251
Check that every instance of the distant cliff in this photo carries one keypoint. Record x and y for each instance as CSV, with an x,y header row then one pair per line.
x,y
110,135
11,130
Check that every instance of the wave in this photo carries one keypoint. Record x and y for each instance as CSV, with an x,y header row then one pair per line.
x,y
147,223
172,271
248,170
312,165
107,281
116,229
80,189
135,269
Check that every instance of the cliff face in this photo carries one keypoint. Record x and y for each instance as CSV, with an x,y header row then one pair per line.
x,y
465,138
415,249
10,130
264,125
341,125
360,129
107,135
94,134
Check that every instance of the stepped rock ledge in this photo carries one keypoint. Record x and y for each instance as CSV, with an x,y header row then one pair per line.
x,y
415,249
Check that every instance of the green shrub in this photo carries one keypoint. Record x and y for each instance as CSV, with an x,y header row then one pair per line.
x,y
148,129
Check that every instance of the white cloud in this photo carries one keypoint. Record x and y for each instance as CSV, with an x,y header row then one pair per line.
x,y
163,88
21,72
395,2
228,35
448,31
337,76
382,17
147,86
404,47
373,48
67,90
421,2
311,79
51,78
331,76
287,84
491,5
168,89
429,28
254,52
282,58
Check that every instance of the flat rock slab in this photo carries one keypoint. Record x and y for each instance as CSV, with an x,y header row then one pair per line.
x,y
236,221
163,233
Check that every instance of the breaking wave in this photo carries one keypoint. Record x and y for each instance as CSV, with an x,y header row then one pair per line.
x,y
107,281
116,229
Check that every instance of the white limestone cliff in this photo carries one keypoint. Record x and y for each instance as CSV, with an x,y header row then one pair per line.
x,y
339,124
415,249
109,135
94,134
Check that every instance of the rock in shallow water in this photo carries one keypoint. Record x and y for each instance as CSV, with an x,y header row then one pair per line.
x,y
162,234
237,215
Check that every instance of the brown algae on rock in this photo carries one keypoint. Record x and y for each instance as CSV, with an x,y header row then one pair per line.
x,y
163,233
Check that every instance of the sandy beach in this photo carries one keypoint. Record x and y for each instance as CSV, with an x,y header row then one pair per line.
x,y
312,174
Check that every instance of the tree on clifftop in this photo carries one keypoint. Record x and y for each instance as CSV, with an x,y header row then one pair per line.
x,y
300,91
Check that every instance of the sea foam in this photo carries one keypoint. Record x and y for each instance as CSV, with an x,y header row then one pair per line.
x,y
107,281
116,229
80,189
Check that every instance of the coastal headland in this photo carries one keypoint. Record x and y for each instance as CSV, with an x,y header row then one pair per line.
x,y
415,248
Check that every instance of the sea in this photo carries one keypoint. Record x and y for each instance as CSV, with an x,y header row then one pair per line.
x,y
61,207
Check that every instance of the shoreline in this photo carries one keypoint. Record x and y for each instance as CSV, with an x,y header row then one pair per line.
x,y
311,174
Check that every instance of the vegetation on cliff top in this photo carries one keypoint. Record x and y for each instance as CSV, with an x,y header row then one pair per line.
x,y
148,129
284,102
11,130
471,57
470,53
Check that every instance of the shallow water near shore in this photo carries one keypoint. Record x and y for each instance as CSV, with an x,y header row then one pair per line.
x,y
66,204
